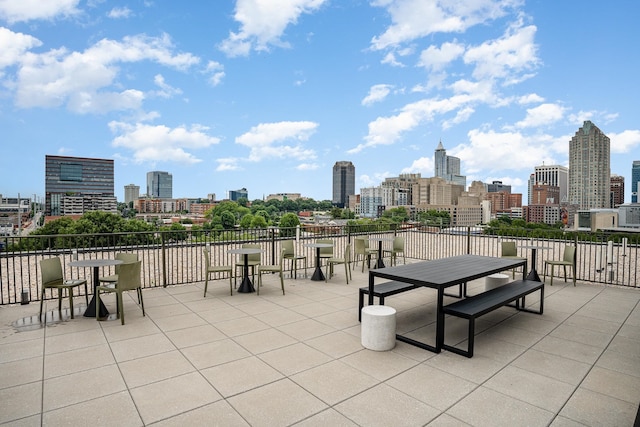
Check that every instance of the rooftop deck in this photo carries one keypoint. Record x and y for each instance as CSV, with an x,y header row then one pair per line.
x,y
297,360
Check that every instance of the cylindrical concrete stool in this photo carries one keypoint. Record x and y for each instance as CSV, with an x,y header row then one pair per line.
x,y
495,281
378,327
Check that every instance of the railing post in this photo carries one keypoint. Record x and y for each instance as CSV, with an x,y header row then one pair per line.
x,y
163,253
468,240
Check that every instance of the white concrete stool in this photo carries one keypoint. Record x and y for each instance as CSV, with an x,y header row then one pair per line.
x,y
378,327
495,281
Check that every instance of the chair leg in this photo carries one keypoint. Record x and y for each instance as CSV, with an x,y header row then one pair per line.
x,y
71,302
230,284
41,304
206,284
120,307
282,282
142,301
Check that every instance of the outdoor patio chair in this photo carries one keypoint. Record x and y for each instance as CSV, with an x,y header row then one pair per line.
x,y
346,260
325,253
53,278
289,253
253,260
271,268
509,250
113,278
362,250
568,260
212,269
397,248
128,280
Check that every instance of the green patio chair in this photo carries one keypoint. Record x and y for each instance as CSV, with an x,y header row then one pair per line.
x,y
509,250
346,260
129,279
53,278
568,260
213,269
271,268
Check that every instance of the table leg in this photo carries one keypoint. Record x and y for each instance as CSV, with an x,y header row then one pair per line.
x,y
533,274
91,308
380,262
439,321
318,275
246,286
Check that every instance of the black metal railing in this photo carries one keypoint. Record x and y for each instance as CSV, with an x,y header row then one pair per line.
x,y
176,257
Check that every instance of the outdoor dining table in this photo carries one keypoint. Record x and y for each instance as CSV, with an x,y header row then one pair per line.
x,y
96,264
246,286
533,274
381,240
318,275
440,274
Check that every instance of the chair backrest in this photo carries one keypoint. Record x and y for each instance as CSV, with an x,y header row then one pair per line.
x,y
125,257
129,276
51,271
252,257
347,254
509,249
326,251
359,245
569,254
288,249
207,260
398,243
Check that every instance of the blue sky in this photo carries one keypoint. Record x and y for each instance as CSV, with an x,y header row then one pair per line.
x,y
268,95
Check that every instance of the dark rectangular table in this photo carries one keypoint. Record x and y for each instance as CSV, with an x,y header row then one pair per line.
x,y
440,274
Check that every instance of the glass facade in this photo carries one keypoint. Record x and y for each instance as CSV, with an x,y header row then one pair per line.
x,y
77,177
344,183
159,185
635,178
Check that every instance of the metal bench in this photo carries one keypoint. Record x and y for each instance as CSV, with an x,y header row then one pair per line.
x,y
478,305
381,291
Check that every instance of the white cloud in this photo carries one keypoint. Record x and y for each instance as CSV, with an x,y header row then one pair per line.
x,y
506,58
84,81
377,93
307,166
154,143
228,164
625,141
27,10
14,45
423,165
436,59
166,90
412,19
262,23
492,151
216,71
120,13
542,115
531,98
267,140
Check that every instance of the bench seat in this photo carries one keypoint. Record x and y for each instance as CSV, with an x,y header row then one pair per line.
x,y
382,290
481,304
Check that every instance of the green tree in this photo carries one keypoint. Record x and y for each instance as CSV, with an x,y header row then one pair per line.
x,y
259,222
288,224
227,220
245,221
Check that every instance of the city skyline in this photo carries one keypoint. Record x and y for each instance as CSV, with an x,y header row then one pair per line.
x,y
247,94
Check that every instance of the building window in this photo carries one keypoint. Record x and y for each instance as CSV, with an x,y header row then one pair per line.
x,y
70,172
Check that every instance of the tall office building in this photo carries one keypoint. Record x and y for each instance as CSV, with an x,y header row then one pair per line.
x,y
448,167
75,185
159,185
589,168
635,179
553,175
131,193
344,183
617,191
235,195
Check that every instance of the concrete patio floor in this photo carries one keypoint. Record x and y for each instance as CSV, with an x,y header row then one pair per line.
x,y
297,359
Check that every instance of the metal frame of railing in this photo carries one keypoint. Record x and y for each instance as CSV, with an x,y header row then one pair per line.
x,y
176,257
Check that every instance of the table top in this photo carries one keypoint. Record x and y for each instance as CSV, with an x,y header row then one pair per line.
x,y
245,251
382,239
446,272
101,262
319,245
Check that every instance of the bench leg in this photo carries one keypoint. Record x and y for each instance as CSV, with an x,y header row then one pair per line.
x,y
360,304
470,341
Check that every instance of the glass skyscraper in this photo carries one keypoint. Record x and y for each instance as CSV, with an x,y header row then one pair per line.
x,y
635,178
159,185
344,183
